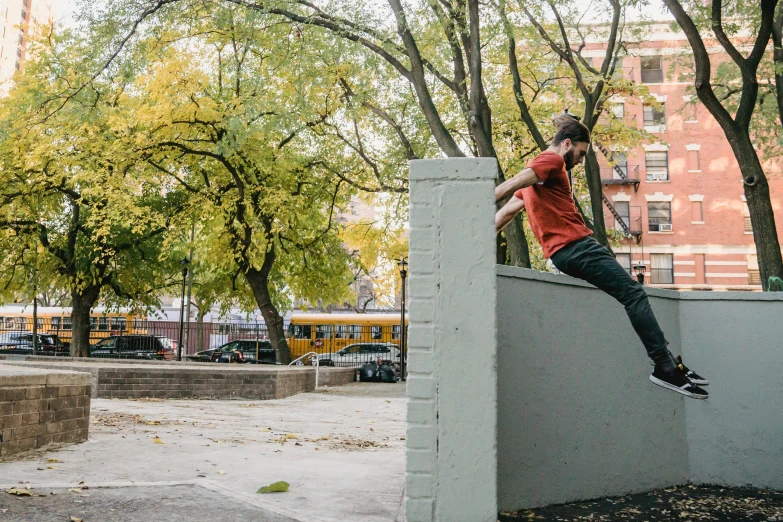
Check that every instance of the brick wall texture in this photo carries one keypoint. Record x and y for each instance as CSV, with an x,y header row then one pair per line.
x,y
39,414
207,380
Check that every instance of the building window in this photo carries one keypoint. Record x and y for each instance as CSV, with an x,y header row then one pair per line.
x,y
662,270
395,331
657,164
652,69
693,160
697,212
655,119
746,218
620,163
624,211
625,261
659,216
754,276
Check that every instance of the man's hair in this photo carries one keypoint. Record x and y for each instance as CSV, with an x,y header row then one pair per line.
x,y
567,127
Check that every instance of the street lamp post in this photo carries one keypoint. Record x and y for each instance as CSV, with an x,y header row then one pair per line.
x,y
403,264
639,268
184,263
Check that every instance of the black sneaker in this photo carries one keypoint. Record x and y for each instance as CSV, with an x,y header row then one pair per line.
x,y
674,381
692,376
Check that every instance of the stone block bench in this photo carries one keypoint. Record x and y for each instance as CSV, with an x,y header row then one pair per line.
x,y
40,408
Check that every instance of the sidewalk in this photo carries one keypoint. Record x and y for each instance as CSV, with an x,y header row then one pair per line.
x,y
340,449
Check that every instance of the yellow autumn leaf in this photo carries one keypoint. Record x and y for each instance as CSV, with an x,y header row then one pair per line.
x,y
157,440
221,472
19,492
52,460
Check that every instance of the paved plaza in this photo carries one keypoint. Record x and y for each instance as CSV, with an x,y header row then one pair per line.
x,y
340,449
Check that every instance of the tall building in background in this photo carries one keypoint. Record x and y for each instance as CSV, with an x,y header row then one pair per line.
x,y
18,18
680,203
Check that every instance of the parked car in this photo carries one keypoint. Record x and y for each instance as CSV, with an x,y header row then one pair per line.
x,y
230,352
134,347
355,355
22,342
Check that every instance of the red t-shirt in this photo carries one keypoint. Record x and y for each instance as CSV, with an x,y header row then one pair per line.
x,y
553,216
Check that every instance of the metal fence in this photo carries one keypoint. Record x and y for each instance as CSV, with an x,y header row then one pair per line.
x,y
337,345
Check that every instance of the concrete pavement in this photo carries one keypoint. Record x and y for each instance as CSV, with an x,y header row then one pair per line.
x,y
341,450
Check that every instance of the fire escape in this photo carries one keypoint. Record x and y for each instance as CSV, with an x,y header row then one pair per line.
x,y
626,224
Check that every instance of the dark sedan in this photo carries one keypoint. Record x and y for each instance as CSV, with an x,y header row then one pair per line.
x,y
241,351
22,343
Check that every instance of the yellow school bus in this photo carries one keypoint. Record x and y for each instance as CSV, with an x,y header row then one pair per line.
x,y
57,320
327,333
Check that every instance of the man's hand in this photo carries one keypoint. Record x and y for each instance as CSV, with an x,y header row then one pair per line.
x,y
526,178
504,216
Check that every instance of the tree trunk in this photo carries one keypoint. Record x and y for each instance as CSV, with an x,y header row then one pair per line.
x,y
593,176
80,319
518,251
274,321
762,217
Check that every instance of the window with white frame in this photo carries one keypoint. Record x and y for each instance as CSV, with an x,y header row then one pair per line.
x,y
659,216
657,165
662,270
652,69
654,117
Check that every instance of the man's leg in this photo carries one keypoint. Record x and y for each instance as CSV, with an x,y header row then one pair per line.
x,y
586,259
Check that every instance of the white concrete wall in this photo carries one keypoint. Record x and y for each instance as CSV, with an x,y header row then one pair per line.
x,y
451,457
527,388
579,419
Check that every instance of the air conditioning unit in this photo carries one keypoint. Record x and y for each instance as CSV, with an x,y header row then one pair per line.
x,y
660,176
665,227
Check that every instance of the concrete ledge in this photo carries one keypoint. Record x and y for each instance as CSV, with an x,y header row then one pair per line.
x,y
171,380
41,408
562,279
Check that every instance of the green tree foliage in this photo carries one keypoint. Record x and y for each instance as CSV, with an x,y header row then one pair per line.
x,y
74,206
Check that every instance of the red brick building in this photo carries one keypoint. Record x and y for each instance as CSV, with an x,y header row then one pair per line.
x,y
682,200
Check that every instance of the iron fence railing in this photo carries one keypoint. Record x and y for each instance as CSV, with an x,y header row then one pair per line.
x,y
337,345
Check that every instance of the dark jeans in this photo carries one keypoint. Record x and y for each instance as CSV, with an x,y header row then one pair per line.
x,y
587,259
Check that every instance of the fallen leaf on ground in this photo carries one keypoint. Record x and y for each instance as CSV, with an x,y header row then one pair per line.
x,y
19,492
50,467
291,436
277,487
152,423
52,460
76,519
221,472
75,490
157,440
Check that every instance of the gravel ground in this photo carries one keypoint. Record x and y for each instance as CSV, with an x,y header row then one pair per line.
x,y
683,504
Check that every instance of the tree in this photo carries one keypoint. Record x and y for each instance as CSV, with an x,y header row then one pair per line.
x,y
737,127
225,118
70,194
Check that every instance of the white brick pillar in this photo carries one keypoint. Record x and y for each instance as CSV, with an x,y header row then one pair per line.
x,y
451,473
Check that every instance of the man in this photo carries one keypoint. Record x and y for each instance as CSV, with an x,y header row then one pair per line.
x,y
544,191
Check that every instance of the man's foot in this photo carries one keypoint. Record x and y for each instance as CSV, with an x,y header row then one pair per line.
x,y
692,376
674,381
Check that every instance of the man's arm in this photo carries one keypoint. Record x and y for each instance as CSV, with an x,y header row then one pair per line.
x,y
526,178
507,213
